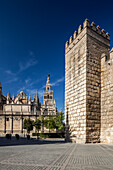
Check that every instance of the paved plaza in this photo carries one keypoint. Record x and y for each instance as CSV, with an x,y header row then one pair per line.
x,y
54,155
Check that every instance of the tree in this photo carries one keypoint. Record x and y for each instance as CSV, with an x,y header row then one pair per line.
x,y
49,123
28,125
38,124
60,121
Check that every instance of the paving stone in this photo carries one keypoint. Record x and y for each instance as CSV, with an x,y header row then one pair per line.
x,y
56,155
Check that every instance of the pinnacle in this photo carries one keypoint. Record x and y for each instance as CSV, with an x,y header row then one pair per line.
x,y
48,79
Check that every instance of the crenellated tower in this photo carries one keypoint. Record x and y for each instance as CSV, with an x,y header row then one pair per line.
x,y
83,55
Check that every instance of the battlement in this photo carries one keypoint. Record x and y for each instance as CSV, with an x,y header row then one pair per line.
x,y
92,26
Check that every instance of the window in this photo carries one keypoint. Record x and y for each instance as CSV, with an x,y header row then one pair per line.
x,y
7,119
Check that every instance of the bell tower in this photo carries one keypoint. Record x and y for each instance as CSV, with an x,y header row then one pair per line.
x,y
48,94
48,85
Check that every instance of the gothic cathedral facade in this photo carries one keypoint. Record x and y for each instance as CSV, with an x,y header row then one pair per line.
x,y
13,110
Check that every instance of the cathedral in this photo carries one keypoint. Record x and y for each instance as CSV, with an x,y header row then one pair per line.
x,y
14,109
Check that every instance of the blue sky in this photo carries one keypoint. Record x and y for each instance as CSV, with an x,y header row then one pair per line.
x,y
32,41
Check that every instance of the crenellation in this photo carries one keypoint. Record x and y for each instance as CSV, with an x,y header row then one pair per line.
x,y
79,29
103,32
108,36
70,40
75,34
98,29
66,45
93,26
86,23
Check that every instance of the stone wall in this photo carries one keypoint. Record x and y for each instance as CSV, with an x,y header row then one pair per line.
x,y
96,46
1,123
107,98
83,55
75,86
16,108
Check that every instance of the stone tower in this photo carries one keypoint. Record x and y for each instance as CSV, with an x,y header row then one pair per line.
x,y
49,106
83,55
48,95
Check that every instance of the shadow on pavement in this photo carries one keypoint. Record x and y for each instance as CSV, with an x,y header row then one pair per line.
x,y
25,141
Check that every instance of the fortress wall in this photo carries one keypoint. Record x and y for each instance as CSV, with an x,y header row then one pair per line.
x,y
83,86
107,98
75,87
96,46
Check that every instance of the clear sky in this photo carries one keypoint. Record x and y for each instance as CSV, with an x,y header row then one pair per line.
x,y
32,41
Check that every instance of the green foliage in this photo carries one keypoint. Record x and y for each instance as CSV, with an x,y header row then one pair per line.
x,y
43,135
49,123
41,118
28,125
59,121
38,124
49,135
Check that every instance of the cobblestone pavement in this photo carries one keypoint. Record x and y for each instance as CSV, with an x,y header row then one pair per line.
x,y
56,155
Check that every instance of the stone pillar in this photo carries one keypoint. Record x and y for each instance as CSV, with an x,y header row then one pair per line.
x,y
4,124
11,123
21,124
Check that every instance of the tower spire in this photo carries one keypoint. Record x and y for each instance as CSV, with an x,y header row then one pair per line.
x,y
37,96
8,98
54,101
29,102
48,85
